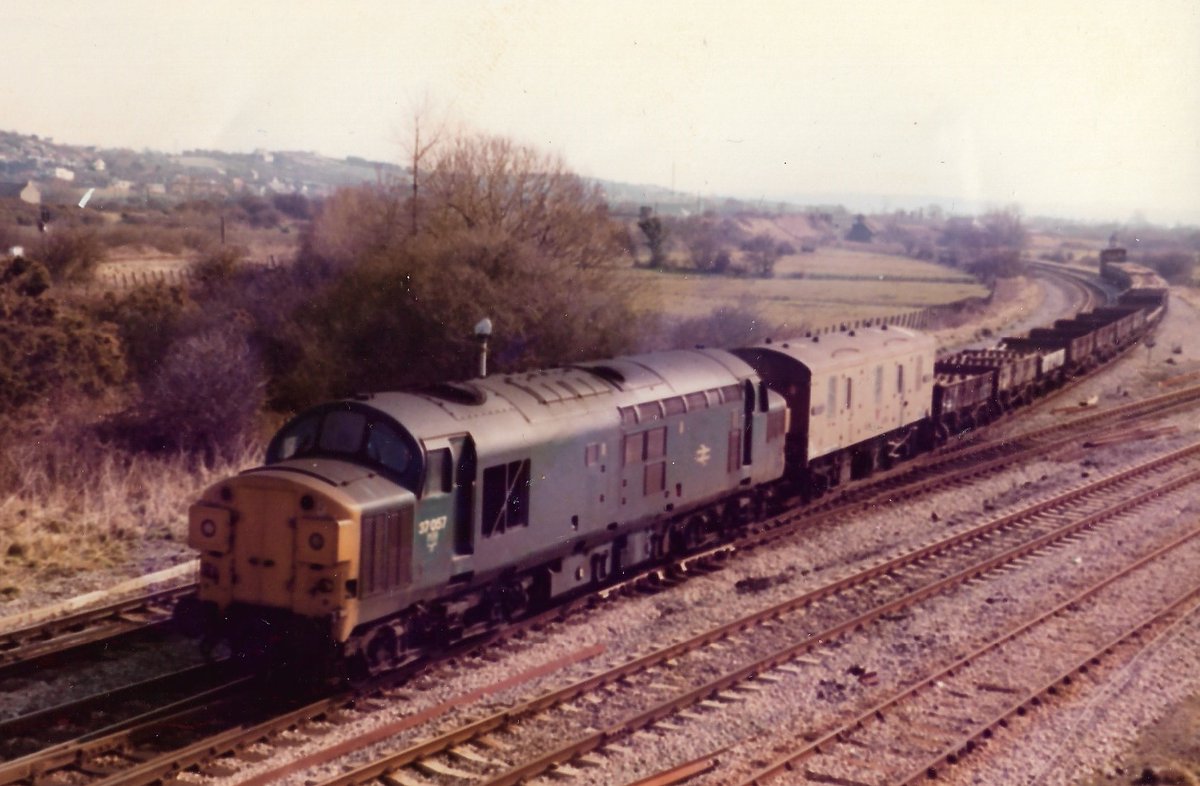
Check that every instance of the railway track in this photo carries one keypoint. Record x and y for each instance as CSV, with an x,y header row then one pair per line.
x,y
45,643
221,714
110,710
669,686
154,765
42,644
932,724
151,746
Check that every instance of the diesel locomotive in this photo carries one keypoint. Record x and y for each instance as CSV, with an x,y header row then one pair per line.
x,y
383,526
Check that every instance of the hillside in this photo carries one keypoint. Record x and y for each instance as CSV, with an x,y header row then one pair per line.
x,y
63,173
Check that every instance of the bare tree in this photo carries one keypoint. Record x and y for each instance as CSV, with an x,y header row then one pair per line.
x,y
763,252
504,232
355,224
652,227
989,247
488,185
427,131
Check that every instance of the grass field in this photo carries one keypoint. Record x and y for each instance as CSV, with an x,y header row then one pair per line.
x,y
844,262
802,303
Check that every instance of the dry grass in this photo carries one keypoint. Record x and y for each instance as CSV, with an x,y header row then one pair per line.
x,y
828,261
70,504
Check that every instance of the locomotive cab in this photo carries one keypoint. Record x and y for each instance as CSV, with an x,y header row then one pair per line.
x,y
281,546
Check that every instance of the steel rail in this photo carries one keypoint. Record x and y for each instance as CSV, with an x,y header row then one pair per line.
x,y
597,740
1034,697
698,560
788,762
120,737
515,714
37,645
107,703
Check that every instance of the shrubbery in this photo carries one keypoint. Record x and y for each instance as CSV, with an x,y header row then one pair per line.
x,y
70,254
46,347
203,398
727,326
147,319
503,233
1176,267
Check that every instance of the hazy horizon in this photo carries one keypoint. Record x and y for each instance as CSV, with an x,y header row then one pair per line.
x,y
1083,110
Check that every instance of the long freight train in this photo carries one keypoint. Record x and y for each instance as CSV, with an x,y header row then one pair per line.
x,y
385,525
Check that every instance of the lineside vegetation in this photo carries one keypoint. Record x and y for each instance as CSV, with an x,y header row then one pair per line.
x,y
115,407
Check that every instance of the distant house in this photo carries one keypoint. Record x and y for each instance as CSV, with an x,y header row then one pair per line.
x,y
26,192
98,165
62,173
860,232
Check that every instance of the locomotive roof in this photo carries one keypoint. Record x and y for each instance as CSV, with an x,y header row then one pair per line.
x,y
834,351
514,402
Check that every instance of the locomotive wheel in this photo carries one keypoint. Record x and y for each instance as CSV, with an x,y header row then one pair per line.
x,y
383,647
431,627
676,539
508,601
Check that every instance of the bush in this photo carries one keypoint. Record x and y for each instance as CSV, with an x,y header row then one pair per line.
x,y
147,320
294,206
726,326
71,254
47,348
220,266
205,397
1175,266
26,278
762,252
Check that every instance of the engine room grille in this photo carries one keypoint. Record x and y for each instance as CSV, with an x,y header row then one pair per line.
x,y
386,551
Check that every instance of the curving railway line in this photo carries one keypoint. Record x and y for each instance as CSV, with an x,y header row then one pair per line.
x,y
211,722
77,634
661,688
672,685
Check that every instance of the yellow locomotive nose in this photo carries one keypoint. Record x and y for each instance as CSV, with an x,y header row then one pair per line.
x,y
272,544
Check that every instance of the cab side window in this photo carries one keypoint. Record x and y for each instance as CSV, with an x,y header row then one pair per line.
x,y
505,497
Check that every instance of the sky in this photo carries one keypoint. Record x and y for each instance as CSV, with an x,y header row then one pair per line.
x,y
1074,108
